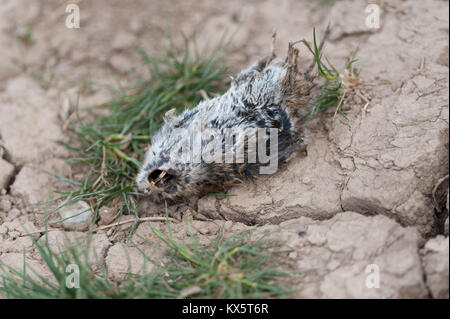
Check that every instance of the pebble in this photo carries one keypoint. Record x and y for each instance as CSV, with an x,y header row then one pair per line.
x,y
77,216
5,205
107,215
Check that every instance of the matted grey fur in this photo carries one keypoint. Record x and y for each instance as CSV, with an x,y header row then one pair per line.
x,y
268,94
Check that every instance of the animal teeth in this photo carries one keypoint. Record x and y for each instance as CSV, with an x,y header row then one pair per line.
x,y
163,173
158,179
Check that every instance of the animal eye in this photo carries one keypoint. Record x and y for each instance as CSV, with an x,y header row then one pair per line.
x,y
159,177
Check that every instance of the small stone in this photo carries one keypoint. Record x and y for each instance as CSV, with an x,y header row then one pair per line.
x,y
204,231
107,215
228,224
5,205
77,216
293,255
306,180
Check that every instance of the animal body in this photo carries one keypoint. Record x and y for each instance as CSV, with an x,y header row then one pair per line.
x,y
270,94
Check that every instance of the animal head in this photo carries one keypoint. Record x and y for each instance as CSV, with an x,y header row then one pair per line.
x,y
168,170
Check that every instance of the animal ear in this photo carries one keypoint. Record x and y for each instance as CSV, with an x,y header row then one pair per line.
x,y
170,114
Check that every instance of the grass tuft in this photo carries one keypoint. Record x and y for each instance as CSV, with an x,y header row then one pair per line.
x,y
336,86
243,265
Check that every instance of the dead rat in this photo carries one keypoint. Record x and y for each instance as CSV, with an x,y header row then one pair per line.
x,y
268,97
